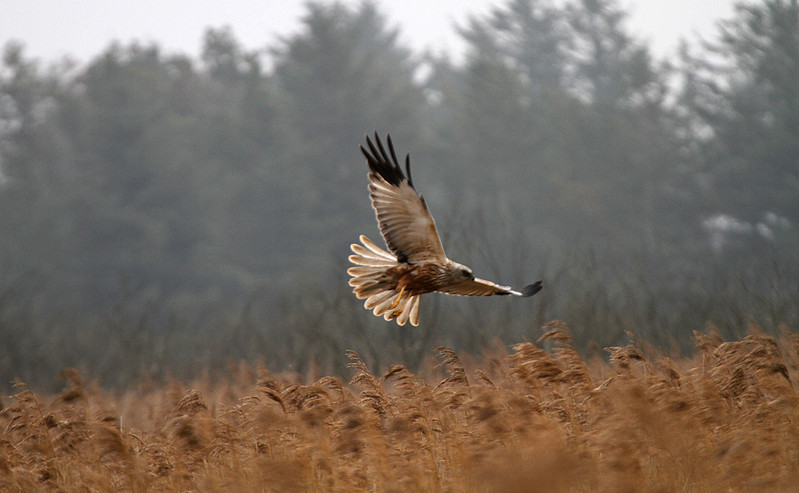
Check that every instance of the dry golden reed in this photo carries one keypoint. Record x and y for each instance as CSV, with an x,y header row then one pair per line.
x,y
538,419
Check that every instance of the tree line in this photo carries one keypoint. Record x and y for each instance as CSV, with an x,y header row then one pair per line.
x,y
180,212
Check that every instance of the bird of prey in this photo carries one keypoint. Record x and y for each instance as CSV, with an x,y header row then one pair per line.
x,y
392,283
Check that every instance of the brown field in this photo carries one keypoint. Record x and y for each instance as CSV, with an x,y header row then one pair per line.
x,y
531,420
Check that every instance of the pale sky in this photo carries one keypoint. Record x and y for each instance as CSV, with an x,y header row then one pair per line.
x,y
82,29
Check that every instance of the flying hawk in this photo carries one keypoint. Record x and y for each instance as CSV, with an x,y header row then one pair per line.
x,y
392,283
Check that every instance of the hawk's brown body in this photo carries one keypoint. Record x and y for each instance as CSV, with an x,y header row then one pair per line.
x,y
419,278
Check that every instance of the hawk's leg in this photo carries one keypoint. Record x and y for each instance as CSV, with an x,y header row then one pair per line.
x,y
399,298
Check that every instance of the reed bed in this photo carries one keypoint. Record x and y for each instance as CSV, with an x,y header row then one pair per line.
x,y
537,417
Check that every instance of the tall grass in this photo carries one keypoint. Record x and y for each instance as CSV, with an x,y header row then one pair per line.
x,y
537,418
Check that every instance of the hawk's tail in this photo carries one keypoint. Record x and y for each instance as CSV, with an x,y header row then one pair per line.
x,y
382,295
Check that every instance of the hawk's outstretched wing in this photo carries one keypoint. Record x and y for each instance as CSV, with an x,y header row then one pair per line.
x,y
405,222
481,287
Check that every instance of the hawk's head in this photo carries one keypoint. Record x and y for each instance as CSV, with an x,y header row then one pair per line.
x,y
460,272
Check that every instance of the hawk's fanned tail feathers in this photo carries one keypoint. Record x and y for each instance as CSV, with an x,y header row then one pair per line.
x,y
400,306
369,281
371,255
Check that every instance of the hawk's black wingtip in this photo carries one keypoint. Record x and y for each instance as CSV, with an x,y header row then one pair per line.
x,y
385,163
532,289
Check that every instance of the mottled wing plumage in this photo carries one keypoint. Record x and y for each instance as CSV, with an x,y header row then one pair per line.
x,y
402,215
481,287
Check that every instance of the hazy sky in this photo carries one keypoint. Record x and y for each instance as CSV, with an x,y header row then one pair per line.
x,y
83,28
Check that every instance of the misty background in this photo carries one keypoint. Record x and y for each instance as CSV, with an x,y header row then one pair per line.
x,y
162,214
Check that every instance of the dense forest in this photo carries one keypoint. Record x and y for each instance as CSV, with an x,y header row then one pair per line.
x,y
161,214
